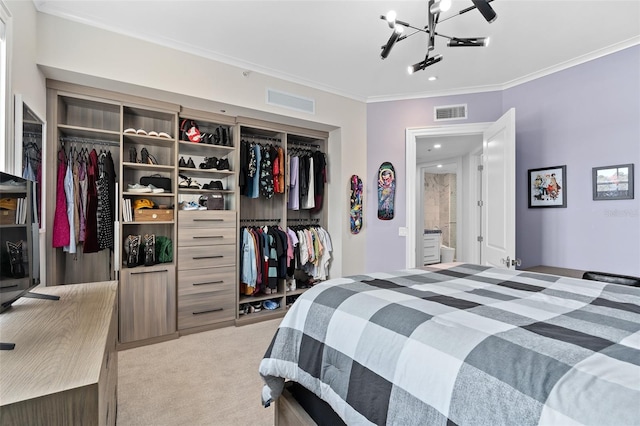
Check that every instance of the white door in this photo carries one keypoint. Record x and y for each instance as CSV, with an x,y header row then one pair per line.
x,y
498,222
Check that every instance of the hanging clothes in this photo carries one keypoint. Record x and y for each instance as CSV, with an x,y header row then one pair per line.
x,y
83,184
293,202
105,188
77,207
60,218
69,195
266,173
308,200
91,236
254,172
320,178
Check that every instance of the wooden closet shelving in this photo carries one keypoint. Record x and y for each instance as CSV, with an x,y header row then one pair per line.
x,y
165,300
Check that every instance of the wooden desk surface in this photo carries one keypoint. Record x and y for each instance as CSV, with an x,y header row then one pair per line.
x,y
60,344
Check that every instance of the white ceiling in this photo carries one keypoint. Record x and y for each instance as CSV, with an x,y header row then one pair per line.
x,y
335,45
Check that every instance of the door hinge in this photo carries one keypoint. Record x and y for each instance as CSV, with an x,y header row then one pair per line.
x,y
480,203
480,168
480,239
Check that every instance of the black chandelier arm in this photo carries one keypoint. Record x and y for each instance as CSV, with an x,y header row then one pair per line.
x,y
463,11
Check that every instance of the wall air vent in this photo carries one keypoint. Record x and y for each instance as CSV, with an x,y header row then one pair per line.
x,y
450,112
287,100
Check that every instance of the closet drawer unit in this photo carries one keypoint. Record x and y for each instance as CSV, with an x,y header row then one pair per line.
x,y
199,257
195,281
206,308
206,236
207,219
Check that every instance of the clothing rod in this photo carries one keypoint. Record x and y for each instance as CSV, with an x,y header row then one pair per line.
x,y
262,138
303,220
89,141
258,220
314,145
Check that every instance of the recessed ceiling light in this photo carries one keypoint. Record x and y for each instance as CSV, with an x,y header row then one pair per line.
x,y
439,166
433,78
437,145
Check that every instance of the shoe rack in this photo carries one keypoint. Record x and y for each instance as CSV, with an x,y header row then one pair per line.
x,y
207,232
147,287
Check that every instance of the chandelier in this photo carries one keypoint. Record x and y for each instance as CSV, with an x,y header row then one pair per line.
x,y
433,18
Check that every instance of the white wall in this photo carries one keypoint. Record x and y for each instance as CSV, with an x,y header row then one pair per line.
x,y
26,78
82,54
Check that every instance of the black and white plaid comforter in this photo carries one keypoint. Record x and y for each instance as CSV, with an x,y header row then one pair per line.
x,y
465,345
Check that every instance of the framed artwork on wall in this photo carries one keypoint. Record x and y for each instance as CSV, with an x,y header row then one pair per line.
x,y
613,182
547,187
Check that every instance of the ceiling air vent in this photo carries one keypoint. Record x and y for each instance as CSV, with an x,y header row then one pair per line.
x,y
450,112
287,100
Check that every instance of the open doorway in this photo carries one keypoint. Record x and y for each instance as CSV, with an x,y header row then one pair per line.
x,y
460,147
439,210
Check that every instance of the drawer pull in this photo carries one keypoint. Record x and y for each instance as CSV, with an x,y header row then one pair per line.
x,y
209,282
208,220
208,311
207,257
149,272
207,236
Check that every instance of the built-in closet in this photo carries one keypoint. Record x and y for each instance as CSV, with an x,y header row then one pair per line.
x,y
175,245
266,213
98,140
207,220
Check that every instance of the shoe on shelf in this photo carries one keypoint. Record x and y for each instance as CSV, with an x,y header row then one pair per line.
x,y
133,155
130,130
149,249
214,184
209,163
147,158
225,139
190,163
132,248
270,305
255,307
155,189
136,187
185,182
153,133
164,135
191,205
223,164
182,163
141,132
217,138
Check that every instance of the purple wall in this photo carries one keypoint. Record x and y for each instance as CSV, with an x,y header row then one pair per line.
x,y
585,116
386,127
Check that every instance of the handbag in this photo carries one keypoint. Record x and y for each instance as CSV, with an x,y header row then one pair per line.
x,y
157,181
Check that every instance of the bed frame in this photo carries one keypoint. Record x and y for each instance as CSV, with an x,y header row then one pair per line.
x,y
288,412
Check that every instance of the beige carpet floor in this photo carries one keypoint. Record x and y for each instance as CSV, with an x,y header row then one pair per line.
x,y
208,378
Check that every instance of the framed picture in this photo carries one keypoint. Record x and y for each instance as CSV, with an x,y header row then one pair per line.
x,y
613,182
547,187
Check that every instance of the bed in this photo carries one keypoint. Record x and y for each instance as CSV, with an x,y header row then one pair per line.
x,y
465,344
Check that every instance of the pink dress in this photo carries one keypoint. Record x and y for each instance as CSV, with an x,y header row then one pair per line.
x,y
61,226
